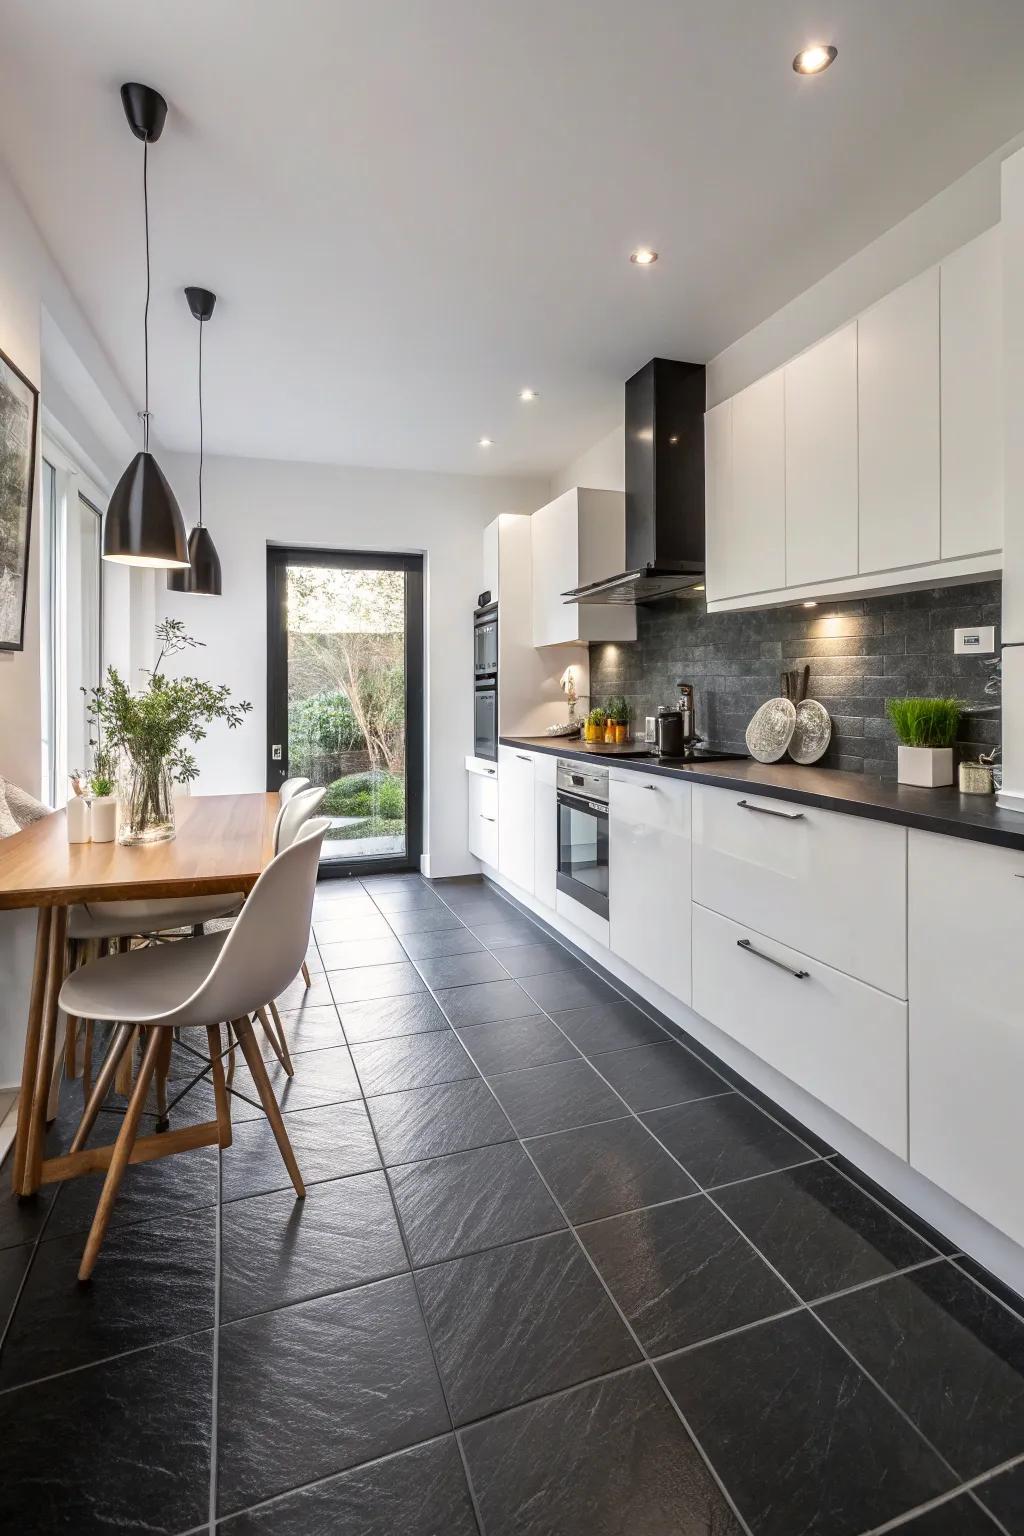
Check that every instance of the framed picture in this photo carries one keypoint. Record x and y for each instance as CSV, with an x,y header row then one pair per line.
x,y
19,405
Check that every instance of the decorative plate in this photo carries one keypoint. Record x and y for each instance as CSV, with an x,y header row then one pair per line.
x,y
771,730
812,734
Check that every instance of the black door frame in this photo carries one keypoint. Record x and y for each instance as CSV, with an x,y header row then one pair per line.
x,y
279,557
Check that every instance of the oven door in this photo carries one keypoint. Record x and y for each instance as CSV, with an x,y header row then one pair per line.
x,y
583,851
485,647
485,721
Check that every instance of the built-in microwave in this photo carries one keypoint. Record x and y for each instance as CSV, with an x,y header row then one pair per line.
x,y
485,720
582,795
485,642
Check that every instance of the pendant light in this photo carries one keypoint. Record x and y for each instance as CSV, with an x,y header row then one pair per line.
x,y
144,525
203,574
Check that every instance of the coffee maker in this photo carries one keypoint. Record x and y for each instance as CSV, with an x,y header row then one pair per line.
x,y
675,730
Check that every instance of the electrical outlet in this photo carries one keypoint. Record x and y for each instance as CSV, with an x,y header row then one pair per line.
x,y
980,641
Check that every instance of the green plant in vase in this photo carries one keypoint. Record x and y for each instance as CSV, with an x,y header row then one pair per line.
x,y
150,731
926,729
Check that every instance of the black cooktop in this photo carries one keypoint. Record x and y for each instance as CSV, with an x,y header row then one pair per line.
x,y
637,749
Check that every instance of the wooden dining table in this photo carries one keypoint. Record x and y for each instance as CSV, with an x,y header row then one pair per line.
x,y
222,844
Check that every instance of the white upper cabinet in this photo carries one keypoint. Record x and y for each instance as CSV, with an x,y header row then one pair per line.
x,y
971,282
717,494
898,393
578,538
821,460
747,552
492,556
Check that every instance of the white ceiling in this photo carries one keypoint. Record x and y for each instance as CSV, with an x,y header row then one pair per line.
x,y
413,208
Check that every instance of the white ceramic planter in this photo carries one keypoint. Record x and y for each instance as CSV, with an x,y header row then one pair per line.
x,y
103,816
927,766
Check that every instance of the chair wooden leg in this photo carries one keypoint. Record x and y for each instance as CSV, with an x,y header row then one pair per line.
x,y
31,1056
305,974
231,1053
163,1066
254,1061
121,1154
87,1061
119,1043
282,1040
55,961
271,1034
123,1080
222,1098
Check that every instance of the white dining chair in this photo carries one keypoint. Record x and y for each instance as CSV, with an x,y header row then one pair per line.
x,y
200,983
291,787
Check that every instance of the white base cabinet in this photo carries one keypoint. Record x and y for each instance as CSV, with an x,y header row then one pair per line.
x,y
516,817
966,919
545,828
842,1041
649,877
827,884
482,806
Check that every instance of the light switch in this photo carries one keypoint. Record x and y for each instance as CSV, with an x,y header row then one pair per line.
x,y
980,641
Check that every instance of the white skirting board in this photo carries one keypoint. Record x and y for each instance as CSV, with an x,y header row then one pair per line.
x,y
963,1227
8,1119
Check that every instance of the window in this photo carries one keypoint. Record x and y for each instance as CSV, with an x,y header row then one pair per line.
x,y
71,615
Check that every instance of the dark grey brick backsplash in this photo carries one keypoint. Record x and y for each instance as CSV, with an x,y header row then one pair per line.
x,y
860,654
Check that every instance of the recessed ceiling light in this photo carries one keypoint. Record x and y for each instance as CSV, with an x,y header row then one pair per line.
x,y
815,58
486,442
643,256
810,605
527,394
700,588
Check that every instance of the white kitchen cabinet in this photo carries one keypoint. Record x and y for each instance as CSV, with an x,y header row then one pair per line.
x,y
971,284
717,495
649,877
578,538
828,884
545,828
898,400
492,560
746,516
482,811
966,918
516,817
842,1041
821,460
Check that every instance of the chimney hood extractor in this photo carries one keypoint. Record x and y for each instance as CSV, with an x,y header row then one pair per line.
x,y
665,405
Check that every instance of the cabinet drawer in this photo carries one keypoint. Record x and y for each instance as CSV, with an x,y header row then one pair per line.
x,y
842,1041
830,885
483,818
966,1023
649,877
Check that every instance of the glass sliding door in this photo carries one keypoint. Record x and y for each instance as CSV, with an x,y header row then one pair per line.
x,y
345,697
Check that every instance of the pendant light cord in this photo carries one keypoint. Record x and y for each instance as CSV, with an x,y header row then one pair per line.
x,y
201,423
145,316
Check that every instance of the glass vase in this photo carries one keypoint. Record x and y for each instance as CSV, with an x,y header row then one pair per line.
x,y
145,802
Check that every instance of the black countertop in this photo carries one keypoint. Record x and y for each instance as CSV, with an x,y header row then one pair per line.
x,y
976,817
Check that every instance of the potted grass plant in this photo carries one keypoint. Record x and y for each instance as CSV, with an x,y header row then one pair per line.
x,y
593,728
148,730
926,730
103,796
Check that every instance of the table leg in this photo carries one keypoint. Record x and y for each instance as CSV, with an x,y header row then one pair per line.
x,y
31,1057
55,967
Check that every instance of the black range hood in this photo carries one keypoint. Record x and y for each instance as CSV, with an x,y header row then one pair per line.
x,y
665,404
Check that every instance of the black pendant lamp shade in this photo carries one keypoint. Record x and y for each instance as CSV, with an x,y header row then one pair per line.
x,y
143,524
203,574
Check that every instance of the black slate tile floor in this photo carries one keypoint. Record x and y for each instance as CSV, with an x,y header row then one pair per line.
x,y
503,1327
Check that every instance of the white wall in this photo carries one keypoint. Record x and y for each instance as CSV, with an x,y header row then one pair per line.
x,y
250,502
44,333
601,467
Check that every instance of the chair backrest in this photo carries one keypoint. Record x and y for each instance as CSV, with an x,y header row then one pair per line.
x,y
294,813
291,787
265,949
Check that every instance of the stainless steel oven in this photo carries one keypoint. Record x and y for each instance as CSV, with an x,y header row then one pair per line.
x,y
485,642
582,794
485,720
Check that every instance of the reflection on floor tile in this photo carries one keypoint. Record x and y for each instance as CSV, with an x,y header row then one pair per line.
x,y
602,1460
427,1122
723,1139
518,1322
411,1061
837,1460
515,1044
602,1170
556,1098
421,1492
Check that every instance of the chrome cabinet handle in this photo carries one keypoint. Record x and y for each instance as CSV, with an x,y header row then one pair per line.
x,y
522,757
746,945
765,810
486,818
652,787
